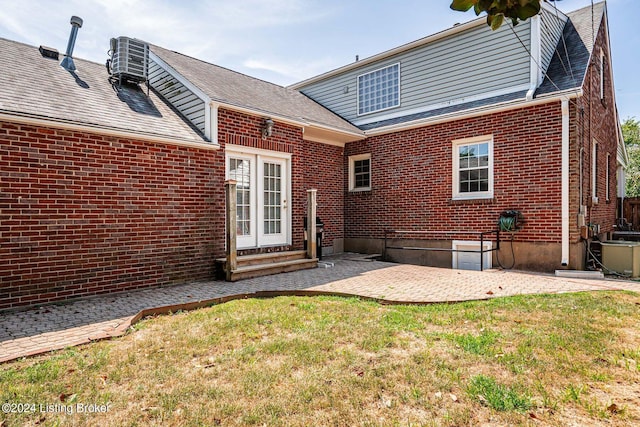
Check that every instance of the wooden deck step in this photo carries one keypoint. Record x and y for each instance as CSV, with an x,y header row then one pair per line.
x,y
257,265
258,270
267,258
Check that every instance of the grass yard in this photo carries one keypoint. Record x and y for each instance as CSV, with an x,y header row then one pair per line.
x,y
553,360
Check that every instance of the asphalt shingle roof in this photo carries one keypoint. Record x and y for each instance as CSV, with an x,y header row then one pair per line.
x,y
568,73
233,88
38,87
31,85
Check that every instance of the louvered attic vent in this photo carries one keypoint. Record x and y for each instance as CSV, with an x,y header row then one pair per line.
x,y
129,59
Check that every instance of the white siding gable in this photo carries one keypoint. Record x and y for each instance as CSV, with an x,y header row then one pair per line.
x,y
552,25
184,100
472,64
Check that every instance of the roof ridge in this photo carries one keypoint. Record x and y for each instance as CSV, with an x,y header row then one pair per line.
x,y
223,68
599,3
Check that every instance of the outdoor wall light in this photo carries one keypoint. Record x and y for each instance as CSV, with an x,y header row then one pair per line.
x,y
267,128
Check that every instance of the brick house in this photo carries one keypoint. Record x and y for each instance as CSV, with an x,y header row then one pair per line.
x,y
448,150
109,186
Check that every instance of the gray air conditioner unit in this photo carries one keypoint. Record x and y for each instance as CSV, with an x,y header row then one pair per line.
x,y
129,59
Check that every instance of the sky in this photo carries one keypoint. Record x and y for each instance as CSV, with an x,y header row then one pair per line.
x,y
282,41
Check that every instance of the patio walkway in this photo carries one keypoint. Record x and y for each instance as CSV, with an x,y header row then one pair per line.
x,y
50,327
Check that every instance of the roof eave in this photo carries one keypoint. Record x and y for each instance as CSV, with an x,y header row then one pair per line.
x,y
300,122
36,120
475,112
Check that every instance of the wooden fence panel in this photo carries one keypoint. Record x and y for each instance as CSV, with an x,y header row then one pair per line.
x,y
632,212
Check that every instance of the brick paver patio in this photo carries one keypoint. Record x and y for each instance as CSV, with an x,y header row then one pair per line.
x,y
49,327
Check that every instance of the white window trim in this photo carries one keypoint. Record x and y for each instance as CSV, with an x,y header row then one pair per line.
x,y
594,172
358,113
456,195
352,176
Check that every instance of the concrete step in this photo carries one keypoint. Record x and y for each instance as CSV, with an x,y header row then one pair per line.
x,y
266,269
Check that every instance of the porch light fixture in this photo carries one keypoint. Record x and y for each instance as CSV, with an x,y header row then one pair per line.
x,y
267,128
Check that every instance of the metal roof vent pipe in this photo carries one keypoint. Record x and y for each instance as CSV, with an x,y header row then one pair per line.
x,y
67,62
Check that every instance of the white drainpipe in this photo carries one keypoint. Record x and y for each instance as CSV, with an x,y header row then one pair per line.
x,y
565,182
535,73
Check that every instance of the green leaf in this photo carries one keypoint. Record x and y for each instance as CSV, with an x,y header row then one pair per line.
x,y
495,21
462,5
527,11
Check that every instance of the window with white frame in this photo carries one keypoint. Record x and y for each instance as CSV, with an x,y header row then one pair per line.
x,y
473,168
379,89
360,172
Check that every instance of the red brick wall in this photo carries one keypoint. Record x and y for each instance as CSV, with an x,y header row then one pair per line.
x,y
323,170
84,214
412,177
314,165
594,119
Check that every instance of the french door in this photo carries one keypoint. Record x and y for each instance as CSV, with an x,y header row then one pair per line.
x,y
262,212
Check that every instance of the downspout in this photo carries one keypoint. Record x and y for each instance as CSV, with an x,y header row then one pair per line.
x,y
535,70
565,183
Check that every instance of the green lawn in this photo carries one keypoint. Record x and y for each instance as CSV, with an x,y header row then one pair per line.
x,y
556,360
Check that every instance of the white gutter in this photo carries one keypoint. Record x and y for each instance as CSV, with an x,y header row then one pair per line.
x,y
480,111
140,136
565,182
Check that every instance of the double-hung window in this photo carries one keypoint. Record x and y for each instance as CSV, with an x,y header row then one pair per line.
x,y
360,172
473,168
379,89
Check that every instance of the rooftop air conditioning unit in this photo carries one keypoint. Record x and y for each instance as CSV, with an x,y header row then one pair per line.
x,y
129,59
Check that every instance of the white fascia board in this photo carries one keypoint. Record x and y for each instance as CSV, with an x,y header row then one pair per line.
x,y
381,56
481,111
102,130
357,135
